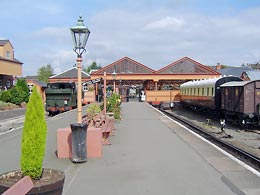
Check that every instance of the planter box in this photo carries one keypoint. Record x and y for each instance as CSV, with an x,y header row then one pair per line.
x,y
94,142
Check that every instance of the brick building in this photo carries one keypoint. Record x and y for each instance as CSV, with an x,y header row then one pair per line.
x,y
10,67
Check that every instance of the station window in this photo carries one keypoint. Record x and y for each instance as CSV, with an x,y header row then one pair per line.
x,y
202,93
30,86
8,83
8,54
85,88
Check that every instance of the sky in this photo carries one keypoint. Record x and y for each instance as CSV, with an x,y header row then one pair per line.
x,y
154,33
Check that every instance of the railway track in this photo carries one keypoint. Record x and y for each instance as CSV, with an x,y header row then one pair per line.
x,y
244,156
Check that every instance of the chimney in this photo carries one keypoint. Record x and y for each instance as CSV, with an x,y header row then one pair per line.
x,y
218,67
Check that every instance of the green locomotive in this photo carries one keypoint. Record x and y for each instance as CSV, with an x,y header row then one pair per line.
x,y
60,97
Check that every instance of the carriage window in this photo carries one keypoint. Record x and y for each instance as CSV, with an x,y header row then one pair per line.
x,y
236,91
226,92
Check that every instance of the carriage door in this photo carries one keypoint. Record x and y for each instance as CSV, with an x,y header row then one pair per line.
x,y
257,97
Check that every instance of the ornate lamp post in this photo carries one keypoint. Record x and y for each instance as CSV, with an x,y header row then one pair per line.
x,y
105,93
80,35
114,79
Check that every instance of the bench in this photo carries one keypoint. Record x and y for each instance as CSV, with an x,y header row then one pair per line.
x,y
106,124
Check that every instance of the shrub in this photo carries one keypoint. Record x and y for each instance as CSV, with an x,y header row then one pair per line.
x,y
17,94
24,90
16,97
113,105
33,137
92,110
5,96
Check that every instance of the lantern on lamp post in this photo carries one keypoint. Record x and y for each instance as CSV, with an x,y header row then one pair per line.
x,y
114,80
80,34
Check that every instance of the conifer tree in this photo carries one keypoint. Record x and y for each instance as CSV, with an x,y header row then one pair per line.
x,y
33,137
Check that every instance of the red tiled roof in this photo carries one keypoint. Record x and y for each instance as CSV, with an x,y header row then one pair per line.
x,y
125,65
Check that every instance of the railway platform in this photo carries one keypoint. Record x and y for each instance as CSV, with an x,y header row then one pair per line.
x,y
151,154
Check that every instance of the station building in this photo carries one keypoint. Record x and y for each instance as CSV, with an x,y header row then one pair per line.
x,y
131,78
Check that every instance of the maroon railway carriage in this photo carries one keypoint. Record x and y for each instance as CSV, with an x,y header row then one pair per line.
x,y
205,93
240,101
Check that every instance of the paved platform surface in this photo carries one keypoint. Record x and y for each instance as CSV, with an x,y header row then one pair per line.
x,y
150,154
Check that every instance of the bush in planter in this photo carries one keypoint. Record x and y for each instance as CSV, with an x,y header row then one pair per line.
x,y
92,110
113,105
33,137
46,181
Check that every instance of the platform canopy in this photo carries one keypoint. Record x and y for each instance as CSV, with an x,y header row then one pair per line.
x,y
125,65
186,66
127,69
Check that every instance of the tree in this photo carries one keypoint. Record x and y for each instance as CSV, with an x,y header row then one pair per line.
x,y
33,137
22,85
92,66
44,73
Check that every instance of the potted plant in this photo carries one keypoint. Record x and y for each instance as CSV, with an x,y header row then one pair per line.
x,y
92,110
113,105
46,181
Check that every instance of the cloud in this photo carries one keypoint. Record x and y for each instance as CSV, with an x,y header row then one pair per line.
x,y
154,37
55,35
51,8
165,23
157,38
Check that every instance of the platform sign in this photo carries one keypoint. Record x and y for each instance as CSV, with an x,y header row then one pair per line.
x,y
93,81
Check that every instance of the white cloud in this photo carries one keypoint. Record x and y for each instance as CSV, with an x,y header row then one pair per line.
x,y
165,23
154,38
48,7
